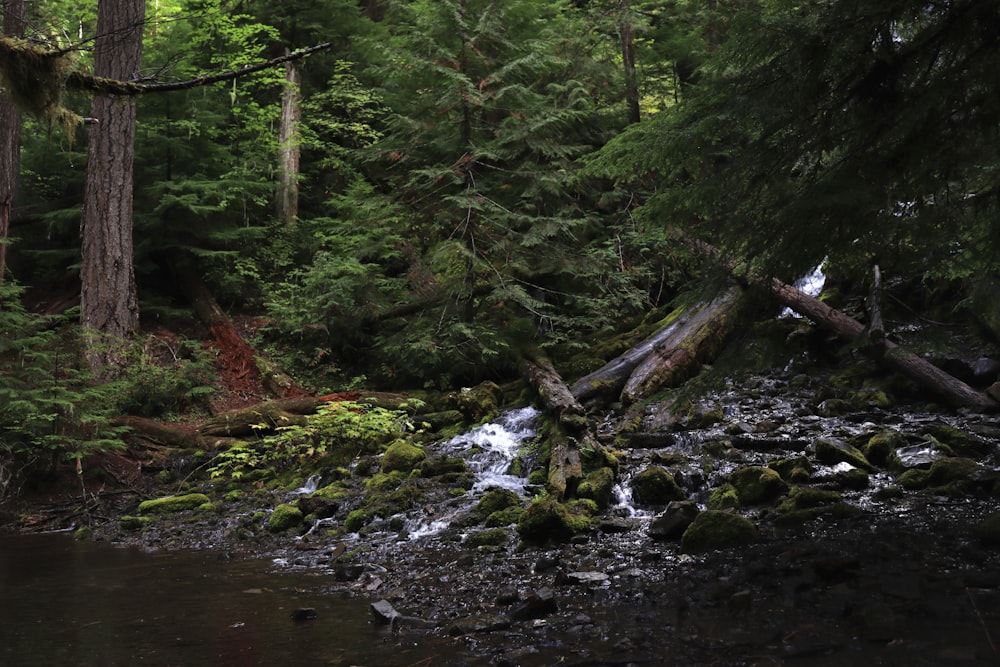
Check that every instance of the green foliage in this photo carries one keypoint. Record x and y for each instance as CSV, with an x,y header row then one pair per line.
x,y
334,436
49,405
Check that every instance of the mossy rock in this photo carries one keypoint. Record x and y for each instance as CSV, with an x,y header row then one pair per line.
x,y
442,465
404,498
941,473
988,530
548,520
716,529
598,486
172,504
794,471
831,451
356,520
797,517
655,486
496,499
284,517
538,476
383,481
802,497
723,497
493,537
881,446
323,502
960,442
129,522
402,456
505,517
479,403
757,484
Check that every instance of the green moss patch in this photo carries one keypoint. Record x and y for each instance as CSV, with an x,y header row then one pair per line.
x,y
715,529
172,504
655,486
756,484
402,456
284,517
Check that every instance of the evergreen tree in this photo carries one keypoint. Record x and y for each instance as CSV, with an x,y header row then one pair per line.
x,y
862,131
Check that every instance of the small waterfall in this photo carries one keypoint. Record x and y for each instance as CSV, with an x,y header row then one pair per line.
x,y
488,450
494,447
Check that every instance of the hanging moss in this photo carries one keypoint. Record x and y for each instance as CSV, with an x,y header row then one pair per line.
x,y
34,78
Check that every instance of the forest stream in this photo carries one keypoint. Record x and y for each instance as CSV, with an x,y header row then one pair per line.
x,y
879,576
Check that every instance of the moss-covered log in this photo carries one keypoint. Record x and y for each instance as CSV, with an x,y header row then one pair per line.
x,y
697,338
245,421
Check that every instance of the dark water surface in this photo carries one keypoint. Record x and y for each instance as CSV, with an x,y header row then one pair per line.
x,y
64,602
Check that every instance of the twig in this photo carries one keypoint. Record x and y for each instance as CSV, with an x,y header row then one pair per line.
x,y
986,630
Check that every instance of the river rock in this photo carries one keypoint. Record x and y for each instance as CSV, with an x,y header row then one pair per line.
x,y
402,456
539,604
384,612
598,486
674,520
988,530
756,484
284,517
832,451
716,529
586,577
655,486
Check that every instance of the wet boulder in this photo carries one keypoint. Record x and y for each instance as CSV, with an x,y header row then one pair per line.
x,y
988,530
284,517
756,484
944,471
724,496
402,456
548,520
674,520
496,499
172,504
538,604
831,451
715,529
880,447
494,537
480,402
598,486
655,486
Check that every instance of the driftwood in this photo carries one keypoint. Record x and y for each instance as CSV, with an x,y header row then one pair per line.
x,y
679,356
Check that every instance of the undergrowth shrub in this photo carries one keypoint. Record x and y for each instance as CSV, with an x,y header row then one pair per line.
x,y
337,434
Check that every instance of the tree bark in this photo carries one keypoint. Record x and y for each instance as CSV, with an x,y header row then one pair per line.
x,y
109,308
242,422
680,355
628,62
287,205
10,140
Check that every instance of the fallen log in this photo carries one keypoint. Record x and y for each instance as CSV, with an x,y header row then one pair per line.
x,y
952,390
927,375
160,433
570,431
608,381
679,356
245,421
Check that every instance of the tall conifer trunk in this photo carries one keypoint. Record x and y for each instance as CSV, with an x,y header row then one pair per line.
x,y
287,208
10,130
628,62
109,309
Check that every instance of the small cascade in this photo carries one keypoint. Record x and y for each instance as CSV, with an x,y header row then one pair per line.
x,y
494,447
488,450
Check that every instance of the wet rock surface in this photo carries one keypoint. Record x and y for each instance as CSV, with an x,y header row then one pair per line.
x,y
851,561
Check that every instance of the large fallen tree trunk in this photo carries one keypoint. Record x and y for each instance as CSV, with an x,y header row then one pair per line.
x,y
668,357
927,375
270,415
921,371
680,356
